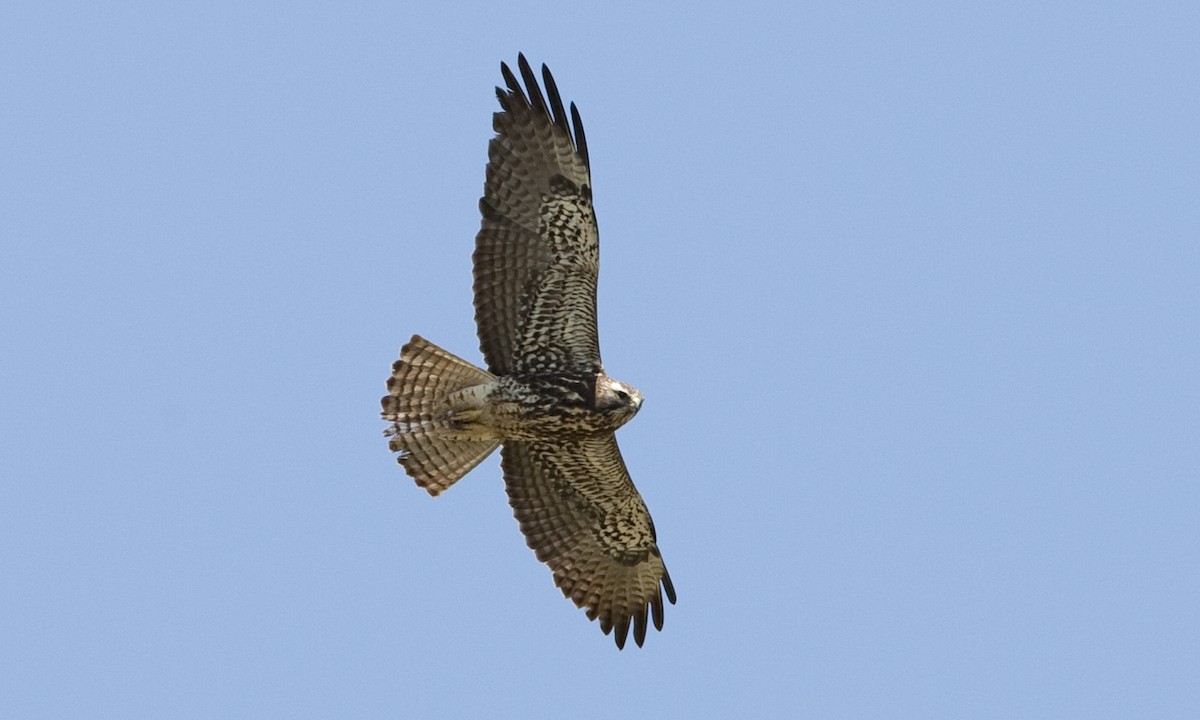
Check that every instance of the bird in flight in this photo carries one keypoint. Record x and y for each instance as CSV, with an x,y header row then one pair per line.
x,y
545,396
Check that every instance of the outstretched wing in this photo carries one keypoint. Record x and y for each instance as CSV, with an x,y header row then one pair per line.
x,y
537,252
583,517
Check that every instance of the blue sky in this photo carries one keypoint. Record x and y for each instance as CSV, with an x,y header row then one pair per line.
x,y
910,290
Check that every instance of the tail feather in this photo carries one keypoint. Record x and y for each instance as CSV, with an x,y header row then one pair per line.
x,y
435,448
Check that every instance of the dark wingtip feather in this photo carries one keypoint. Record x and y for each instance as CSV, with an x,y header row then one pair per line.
x,y
656,608
556,104
639,626
514,87
668,586
580,138
622,628
502,95
536,101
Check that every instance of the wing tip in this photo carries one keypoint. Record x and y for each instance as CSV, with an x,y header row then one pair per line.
x,y
667,585
639,618
530,96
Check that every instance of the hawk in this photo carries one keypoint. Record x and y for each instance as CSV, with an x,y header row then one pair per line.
x,y
545,396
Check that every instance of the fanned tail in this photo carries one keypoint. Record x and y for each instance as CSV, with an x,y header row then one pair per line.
x,y
431,398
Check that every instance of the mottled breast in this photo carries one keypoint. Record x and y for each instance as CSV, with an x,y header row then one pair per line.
x,y
546,406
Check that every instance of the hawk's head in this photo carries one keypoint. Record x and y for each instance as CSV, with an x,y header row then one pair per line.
x,y
616,399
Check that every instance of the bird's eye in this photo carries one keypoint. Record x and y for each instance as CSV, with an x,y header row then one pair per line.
x,y
623,395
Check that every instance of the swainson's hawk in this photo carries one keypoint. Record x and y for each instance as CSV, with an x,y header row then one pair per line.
x,y
545,397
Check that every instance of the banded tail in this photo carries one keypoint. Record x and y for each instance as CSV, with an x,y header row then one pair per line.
x,y
431,415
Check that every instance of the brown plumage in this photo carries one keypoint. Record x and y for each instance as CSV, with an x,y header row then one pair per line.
x,y
547,398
